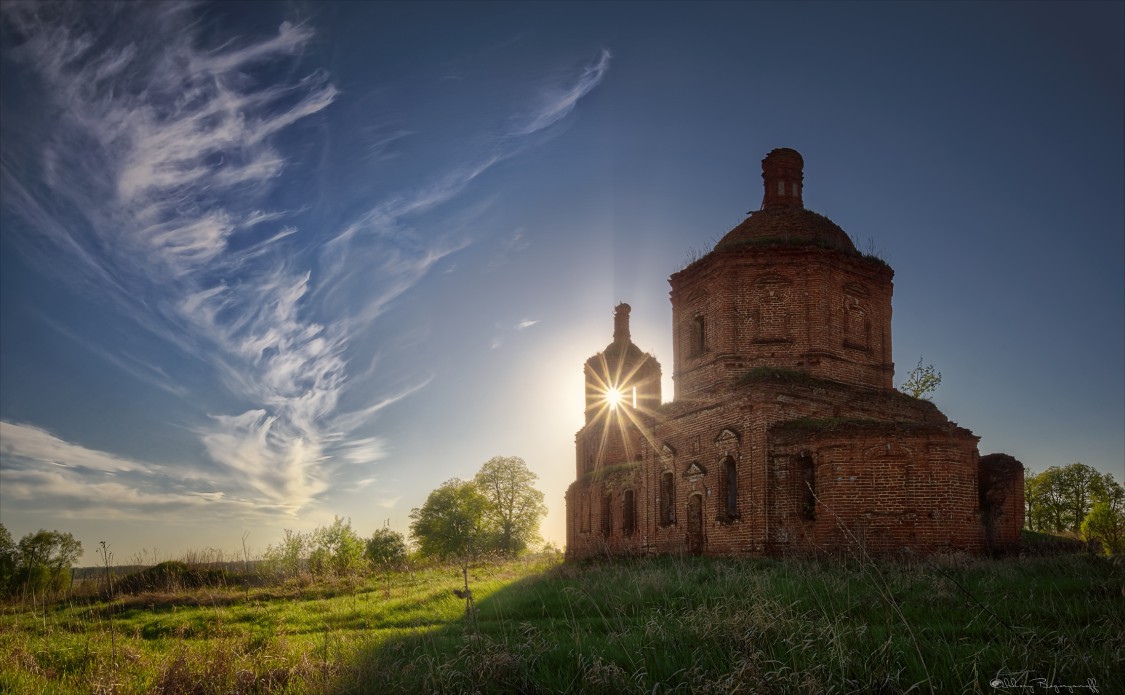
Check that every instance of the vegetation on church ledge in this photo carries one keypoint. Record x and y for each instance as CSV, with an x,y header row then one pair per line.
x,y
695,256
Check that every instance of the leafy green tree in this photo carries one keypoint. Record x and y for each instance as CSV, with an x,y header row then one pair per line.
x,y
1111,492
9,557
922,381
385,547
287,558
452,521
1030,502
1105,526
1050,499
336,549
44,561
1080,486
1060,498
515,508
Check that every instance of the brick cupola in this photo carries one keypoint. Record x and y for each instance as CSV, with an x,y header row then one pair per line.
x,y
785,289
621,323
783,218
783,177
624,368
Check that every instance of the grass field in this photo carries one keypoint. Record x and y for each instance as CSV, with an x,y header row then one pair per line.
x,y
668,624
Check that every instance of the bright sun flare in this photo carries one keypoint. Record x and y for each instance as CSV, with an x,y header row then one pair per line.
x,y
613,396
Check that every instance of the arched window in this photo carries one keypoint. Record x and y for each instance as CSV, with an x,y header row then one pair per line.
x,y
667,499
628,513
698,335
729,484
807,494
607,514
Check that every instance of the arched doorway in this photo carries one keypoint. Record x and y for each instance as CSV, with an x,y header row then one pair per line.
x,y
695,524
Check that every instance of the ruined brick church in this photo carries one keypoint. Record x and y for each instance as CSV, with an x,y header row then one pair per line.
x,y
786,434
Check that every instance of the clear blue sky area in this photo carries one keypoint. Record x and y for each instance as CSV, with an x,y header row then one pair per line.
x,y
266,263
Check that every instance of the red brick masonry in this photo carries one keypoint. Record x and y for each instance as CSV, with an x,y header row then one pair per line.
x,y
786,434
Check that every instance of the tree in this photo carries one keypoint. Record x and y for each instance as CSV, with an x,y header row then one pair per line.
x,y
1080,485
1105,526
44,559
336,549
922,381
9,558
286,558
515,507
385,547
1030,499
452,522
1051,500
1060,498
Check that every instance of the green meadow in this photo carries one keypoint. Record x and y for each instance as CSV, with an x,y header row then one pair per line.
x,y
642,625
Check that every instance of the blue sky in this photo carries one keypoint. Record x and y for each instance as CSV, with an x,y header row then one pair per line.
x,y
266,263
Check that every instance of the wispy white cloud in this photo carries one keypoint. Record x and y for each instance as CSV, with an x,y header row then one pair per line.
x,y
402,263
152,180
37,468
378,143
365,450
32,443
559,101
184,145
498,341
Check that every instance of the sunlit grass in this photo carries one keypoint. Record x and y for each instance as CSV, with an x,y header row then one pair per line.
x,y
642,625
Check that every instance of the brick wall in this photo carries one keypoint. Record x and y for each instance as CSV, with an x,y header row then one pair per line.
x,y
785,434
1001,483
816,310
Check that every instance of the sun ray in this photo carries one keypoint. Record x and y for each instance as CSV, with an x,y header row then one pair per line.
x,y
615,391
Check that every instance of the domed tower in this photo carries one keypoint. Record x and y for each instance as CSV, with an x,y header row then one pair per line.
x,y
622,391
785,289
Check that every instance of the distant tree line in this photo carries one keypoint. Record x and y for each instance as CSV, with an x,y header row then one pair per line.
x,y
1077,499
497,512
40,563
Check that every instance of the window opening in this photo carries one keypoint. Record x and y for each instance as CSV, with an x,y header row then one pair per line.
x,y
807,493
730,487
607,514
628,513
667,499
699,335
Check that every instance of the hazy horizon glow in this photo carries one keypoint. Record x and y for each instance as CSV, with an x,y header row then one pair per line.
x,y
267,264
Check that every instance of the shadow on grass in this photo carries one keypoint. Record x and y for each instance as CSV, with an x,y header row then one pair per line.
x,y
537,634
722,626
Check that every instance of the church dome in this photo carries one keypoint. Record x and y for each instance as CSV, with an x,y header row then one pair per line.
x,y
783,218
